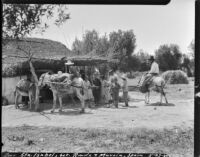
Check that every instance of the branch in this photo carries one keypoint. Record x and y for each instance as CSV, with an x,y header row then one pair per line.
x,y
25,52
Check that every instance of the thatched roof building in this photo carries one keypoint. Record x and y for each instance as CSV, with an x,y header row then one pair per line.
x,y
47,54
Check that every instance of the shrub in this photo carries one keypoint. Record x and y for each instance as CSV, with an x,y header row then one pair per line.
x,y
175,77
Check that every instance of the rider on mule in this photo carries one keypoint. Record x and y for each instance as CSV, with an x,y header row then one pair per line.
x,y
154,71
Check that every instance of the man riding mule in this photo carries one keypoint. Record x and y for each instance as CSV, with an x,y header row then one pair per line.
x,y
152,80
24,88
65,84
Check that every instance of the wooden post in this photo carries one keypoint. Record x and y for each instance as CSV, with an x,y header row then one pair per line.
x,y
36,85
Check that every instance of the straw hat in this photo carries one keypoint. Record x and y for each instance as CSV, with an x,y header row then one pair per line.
x,y
69,62
123,77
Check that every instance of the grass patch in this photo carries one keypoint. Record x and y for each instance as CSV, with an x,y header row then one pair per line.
x,y
53,139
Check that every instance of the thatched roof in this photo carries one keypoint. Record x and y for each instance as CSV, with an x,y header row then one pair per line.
x,y
47,54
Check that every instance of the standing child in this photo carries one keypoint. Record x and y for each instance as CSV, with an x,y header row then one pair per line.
x,y
115,91
125,90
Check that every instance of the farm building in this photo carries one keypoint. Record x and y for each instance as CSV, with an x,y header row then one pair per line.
x,y
47,55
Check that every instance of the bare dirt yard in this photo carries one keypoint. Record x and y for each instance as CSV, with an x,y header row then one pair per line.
x,y
138,128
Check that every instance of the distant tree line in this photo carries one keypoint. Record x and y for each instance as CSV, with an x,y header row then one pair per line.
x,y
121,45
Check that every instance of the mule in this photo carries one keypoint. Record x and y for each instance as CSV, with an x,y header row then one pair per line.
x,y
67,87
157,84
24,88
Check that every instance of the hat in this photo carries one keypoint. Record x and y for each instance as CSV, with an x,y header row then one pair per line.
x,y
151,58
69,62
123,77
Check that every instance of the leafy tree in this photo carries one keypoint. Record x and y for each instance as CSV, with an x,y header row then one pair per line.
x,y
20,20
122,46
187,65
168,57
143,58
90,40
77,47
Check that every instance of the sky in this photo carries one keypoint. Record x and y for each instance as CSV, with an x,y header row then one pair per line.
x,y
153,25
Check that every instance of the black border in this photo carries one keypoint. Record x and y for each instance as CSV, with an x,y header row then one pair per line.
x,y
197,81
112,2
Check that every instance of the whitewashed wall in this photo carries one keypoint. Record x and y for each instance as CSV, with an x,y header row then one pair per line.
x,y
8,87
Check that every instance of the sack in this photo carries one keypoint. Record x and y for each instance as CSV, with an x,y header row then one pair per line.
x,y
143,86
143,89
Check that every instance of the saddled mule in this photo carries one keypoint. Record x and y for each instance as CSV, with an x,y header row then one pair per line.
x,y
157,84
24,88
74,87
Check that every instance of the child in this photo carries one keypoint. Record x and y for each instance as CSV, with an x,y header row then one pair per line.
x,y
115,91
88,91
125,90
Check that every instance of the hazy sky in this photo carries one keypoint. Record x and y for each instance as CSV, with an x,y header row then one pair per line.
x,y
153,25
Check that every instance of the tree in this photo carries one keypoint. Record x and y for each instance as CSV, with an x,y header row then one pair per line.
x,y
20,20
168,57
192,48
77,47
143,58
187,65
122,46
90,40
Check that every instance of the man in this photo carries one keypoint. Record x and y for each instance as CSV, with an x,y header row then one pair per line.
x,y
154,71
97,89
125,90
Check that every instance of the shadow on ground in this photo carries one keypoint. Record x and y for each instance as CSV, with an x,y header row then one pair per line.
x,y
160,104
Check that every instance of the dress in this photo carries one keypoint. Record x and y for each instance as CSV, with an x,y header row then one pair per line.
x,y
97,90
105,91
88,91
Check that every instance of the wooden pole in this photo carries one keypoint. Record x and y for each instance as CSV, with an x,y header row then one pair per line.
x,y
36,85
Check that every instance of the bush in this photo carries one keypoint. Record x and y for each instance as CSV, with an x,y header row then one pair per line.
x,y
175,77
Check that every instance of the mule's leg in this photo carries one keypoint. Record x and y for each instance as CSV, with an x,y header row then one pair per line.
x,y
161,95
54,101
145,100
60,101
148,97
164,95
16,99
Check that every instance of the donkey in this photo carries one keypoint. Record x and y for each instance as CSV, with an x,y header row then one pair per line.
x,y
74,87
24,88
157,84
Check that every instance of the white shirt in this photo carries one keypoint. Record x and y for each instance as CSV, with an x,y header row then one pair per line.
x,y
154,68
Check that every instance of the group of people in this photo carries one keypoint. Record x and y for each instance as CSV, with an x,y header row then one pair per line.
x,y
102,91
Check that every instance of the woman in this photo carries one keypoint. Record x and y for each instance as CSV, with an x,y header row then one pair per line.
x,y
88,91
106,97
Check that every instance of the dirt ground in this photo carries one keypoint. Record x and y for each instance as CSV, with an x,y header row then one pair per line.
x,y
179,112
138,128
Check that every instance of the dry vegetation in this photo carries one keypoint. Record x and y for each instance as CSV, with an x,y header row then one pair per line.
x,y
53,139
